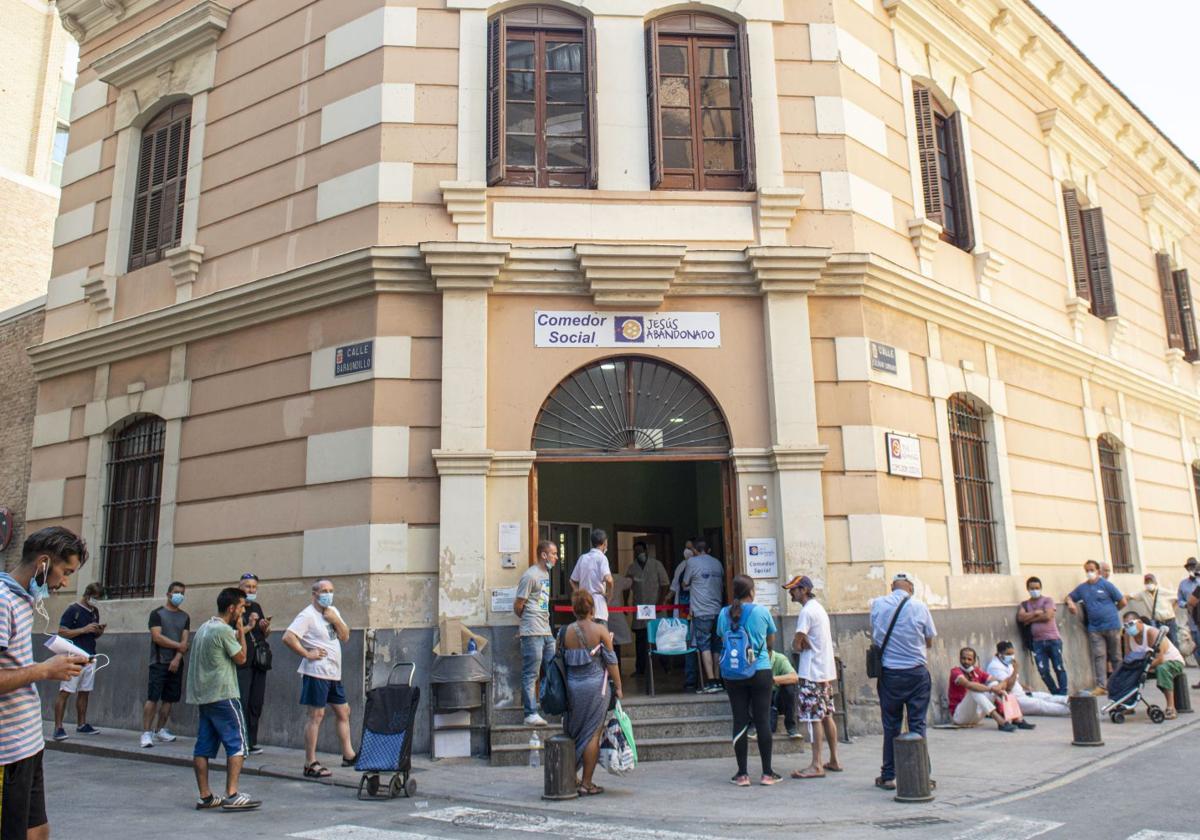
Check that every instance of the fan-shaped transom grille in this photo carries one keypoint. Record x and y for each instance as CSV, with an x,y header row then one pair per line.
x,y
630,406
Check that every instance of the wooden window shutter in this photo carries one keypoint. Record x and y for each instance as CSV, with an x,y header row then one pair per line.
x,y
589,48
1104,299
654,135
1083,288
750,179
141,205
495,99
958,175
1187,315
1170,300
927,153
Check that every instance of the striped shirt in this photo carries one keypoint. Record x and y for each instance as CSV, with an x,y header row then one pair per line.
x,y
20,710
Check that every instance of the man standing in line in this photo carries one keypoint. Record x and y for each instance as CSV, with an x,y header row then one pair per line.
x,y
1187,588
691,676
80,623
818,673
1103,602
212,685
48,559
1038,614
649,583
170,627
904,684
704,581
252,678
316,635
592,573
532,606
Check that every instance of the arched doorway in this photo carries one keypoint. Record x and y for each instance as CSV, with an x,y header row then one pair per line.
x,y
640,448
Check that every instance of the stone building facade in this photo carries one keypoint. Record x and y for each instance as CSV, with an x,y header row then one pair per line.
x,y
902,287
20,329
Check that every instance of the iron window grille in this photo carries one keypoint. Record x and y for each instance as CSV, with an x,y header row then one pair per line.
x,y
972,488
1112,481
130,547
630,406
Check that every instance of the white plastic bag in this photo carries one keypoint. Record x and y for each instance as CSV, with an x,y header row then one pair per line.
x,y
672,635
616,755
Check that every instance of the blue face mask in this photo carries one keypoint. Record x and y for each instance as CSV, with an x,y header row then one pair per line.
x,y
251,597
1006,659
1131,628
325,599
176,599
39,590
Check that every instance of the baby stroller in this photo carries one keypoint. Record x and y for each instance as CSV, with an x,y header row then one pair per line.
x,y
386,744
1125,689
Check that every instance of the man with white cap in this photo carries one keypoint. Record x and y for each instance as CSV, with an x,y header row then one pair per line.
x,y
903,628
818,672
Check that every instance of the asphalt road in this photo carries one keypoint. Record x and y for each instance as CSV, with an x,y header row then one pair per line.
x,y
1136,798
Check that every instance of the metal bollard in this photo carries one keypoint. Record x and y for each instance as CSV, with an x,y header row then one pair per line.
x,y
1183,697
912,768
558,758
1085,721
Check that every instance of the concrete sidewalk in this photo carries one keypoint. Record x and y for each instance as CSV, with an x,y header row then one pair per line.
x,y
974,767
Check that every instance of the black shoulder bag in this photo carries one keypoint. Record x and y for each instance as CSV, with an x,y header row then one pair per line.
x,y
875,652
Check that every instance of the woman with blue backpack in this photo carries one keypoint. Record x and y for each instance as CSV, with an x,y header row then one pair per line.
x,y
747,632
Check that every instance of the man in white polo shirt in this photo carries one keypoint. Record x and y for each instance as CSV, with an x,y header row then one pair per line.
x,y
818,673
592,573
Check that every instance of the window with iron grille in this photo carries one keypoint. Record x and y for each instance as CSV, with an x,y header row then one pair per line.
x,y
1116,514
135,459
161,184
972,487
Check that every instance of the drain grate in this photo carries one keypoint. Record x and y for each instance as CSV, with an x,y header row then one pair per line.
x,y
910,822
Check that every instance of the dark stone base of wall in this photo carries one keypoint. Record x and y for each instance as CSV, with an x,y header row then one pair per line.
x,y
121,688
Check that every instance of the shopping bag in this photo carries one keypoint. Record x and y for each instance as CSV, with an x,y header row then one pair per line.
x,y
616,756
626,725
671,636
1187,645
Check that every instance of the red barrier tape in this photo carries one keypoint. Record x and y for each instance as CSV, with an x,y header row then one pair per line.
x,y
657,608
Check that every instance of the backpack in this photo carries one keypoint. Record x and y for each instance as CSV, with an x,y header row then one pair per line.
x,y
738,659
553,697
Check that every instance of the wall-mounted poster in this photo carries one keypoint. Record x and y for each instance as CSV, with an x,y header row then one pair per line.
x,y
903,455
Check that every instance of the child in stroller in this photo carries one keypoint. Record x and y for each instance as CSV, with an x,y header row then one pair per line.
x,y
1150,651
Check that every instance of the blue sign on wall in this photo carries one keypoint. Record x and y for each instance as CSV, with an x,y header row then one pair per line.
x,y
353,358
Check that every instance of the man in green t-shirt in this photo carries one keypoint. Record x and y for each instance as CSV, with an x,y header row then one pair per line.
x,y
784,698
217,649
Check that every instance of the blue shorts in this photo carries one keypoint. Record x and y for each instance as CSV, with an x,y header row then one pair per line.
x,y
220,723
320,693
702,632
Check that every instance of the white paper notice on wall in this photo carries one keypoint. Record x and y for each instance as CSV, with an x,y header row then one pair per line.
x,y
645,612
503,599
510,537
766,593
761,560
903,455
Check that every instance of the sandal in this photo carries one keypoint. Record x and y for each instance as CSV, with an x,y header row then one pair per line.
x,y
590,790
349,762
1170,714
741,781
885,784
805,774
834,769
317,771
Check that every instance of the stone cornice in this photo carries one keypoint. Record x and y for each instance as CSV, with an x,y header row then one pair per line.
x,y
1029,41
798,458
751,460
194,30
511,464
455,462
929,25
880,280
1168,227
636,276
464,266
85,19
787,269
1073,142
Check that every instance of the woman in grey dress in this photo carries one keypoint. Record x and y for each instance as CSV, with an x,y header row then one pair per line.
x,y
590,660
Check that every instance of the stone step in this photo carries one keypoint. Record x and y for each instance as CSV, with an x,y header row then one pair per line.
x,y
663,749
641,707
673,727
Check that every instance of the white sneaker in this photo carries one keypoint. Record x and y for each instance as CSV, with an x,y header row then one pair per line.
x,y
147,739
165,735
535,720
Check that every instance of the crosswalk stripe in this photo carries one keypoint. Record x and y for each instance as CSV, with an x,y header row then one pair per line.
x,y
481,818
1147,834
1008,828
358,832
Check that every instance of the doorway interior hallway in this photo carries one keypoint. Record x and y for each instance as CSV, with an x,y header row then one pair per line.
x,y
662,503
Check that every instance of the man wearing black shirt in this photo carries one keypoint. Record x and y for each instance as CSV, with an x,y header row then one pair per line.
x,y
80,623
252,678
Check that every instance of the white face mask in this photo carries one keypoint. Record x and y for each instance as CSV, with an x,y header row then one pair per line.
x,y
1035,593
1092,576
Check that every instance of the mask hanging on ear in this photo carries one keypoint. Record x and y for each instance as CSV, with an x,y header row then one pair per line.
x,y
40,592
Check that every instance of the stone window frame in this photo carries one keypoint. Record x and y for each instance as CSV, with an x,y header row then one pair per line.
x,y
172,62
1117,426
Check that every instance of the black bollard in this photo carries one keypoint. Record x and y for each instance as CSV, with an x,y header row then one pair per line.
x,y
1085,721
558,757
1183,697
912,768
